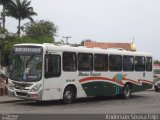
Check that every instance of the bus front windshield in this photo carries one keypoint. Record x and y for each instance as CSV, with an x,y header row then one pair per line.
x,y
25,67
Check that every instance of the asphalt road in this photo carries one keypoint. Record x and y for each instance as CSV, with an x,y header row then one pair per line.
x,y
141,102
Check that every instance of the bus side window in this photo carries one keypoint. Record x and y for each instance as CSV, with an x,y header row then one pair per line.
x,y
52,66
69,61
140,63
115,62
128,63
85,62
101,62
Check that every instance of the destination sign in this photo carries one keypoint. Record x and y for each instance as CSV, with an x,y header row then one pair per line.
x,y
25,49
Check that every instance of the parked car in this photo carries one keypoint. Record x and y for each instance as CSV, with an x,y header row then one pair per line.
x,y
156,72
157,85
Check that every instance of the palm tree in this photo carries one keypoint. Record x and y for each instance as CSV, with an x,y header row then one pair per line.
x,y
20,10
4,3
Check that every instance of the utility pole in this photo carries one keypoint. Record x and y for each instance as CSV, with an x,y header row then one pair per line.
x,y
66,37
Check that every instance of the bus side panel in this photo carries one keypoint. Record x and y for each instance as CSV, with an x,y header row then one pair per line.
x,y
99,88
144,86
104,85
51,89
140,80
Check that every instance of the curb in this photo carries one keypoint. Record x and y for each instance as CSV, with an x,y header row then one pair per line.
x,y
150,90
11,101
8,99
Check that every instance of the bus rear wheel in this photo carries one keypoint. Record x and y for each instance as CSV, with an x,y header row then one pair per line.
x,y
68,95
126,91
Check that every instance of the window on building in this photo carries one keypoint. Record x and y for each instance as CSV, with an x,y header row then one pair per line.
x,y
148,64
52,66
69,61
85,62
115,62
140,63
100,62
128,63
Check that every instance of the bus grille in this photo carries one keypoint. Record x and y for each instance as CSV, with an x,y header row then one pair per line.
x,y
21,85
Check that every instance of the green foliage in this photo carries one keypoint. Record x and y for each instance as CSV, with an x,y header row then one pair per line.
x,y
5,4
39,29
156,62
20,9
38,32
3,30
61,42
11,41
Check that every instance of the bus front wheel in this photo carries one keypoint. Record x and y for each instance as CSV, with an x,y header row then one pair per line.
x,y
126,91
68,95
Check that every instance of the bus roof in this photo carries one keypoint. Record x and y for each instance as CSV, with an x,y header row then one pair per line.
x,y
51,47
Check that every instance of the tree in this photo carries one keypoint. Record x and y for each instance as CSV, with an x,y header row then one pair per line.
x,y
40,29
3,41
25,39
5,4
12,40
156,62
20,10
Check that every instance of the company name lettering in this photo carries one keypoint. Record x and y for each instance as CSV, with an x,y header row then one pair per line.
x,y
89,74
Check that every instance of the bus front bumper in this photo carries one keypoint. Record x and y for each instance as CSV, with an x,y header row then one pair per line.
x,y
37,96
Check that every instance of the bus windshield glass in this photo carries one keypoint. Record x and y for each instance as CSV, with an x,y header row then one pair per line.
x,y
25,67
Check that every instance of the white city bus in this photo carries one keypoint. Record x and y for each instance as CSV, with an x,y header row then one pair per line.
x,y
48,72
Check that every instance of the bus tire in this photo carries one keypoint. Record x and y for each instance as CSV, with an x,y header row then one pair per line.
x,y
68,95
157,90
126,91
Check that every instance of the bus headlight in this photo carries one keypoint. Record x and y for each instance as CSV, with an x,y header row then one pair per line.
x,y
36,88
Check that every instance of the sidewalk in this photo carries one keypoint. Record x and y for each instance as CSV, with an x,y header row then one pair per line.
x,y
9,99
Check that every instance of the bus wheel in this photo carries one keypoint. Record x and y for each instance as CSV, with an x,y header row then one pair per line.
x,y
156,89
68,95
126,91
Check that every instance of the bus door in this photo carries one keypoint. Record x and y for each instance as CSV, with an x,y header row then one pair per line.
x,y
52,73
118,78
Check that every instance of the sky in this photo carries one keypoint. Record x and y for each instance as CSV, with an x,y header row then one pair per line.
x,y
102,21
